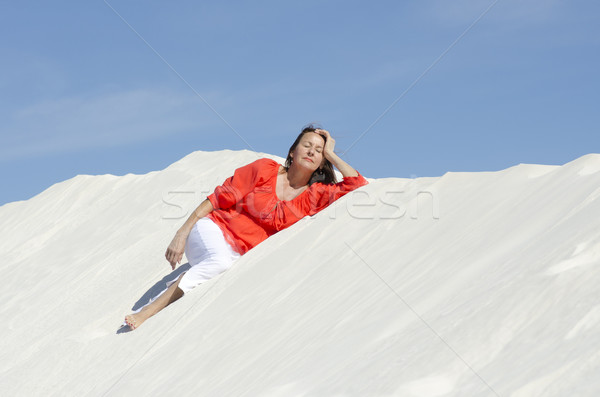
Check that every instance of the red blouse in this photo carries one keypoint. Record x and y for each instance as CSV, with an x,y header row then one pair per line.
x,y
247,209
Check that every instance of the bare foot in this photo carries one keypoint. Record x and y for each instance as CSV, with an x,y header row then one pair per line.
x,y
134,320
169,296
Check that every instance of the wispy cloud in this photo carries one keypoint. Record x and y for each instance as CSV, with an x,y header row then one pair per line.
x,y
104,120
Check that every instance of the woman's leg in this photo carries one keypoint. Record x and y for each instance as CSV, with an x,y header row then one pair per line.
x,y
208,254
172,294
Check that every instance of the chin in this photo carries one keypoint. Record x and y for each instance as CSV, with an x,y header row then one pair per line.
x,y
313,167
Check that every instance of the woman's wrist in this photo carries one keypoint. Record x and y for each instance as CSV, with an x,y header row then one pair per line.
x,y
184,231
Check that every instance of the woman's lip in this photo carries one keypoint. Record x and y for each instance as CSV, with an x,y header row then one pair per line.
x,y
306,158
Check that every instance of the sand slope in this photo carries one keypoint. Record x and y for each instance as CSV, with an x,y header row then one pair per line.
x,y
469,284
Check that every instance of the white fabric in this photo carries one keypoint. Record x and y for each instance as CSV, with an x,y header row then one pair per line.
x,y
208,254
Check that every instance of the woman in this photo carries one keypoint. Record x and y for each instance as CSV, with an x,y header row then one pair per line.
x,y
259,200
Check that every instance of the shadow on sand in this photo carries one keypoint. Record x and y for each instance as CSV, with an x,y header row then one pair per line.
x,y
155,291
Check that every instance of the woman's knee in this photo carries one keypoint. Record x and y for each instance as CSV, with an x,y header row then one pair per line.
x,y
221,266
206,270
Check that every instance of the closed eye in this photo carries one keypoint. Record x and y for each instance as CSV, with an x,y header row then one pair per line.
x,y
319,149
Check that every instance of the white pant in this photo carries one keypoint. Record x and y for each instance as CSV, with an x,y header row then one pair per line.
x,y
208,254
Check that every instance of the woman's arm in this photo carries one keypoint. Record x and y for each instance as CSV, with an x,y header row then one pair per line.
x,y
228,194
341,165
338,163
177,247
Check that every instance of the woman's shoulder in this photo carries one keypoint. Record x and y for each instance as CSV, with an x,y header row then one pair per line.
x,y
263,167
318,187
264,162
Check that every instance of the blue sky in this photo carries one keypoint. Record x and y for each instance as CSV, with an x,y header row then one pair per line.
x,y
82,93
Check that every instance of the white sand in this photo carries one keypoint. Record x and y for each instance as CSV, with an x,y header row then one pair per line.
x,y
489,286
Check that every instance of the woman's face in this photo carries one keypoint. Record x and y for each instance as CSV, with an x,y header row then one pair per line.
x,y
309,151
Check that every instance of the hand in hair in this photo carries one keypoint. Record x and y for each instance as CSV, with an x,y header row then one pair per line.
x,y
337,162
329,143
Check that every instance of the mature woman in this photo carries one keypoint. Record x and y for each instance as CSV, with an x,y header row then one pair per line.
x,y
259,200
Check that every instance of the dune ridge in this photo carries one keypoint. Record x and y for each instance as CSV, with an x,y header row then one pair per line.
x,y
474,284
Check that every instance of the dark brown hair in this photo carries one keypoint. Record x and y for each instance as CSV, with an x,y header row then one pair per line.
x,y
322,174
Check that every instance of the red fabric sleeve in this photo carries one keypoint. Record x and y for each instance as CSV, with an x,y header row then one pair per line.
x,y
236,187
322,195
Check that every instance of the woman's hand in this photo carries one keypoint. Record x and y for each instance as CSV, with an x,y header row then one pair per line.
x,y
177,247
328,153
175,250
329,143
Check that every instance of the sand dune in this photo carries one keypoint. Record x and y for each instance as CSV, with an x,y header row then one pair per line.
x,y
468,284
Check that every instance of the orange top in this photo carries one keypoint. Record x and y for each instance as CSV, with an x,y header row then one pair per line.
x,y
247,209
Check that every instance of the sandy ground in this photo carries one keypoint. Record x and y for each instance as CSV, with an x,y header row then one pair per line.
x,y
468,284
